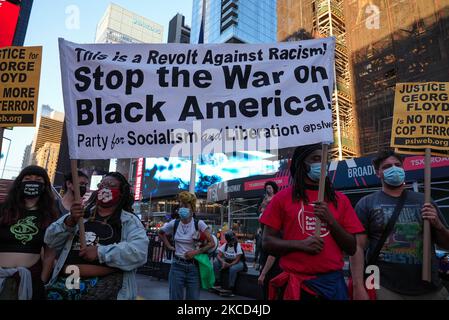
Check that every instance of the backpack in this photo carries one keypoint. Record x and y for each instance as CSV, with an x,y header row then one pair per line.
x,y
211,251
177,221
242,258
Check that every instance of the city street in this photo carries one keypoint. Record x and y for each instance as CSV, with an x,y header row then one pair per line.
x,y
149,288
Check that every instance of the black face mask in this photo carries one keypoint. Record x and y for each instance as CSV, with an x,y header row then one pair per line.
x,y
31,189
83,190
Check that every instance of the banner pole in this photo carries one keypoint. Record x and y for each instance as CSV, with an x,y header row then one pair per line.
x,y
76,190
192,174
426,269
322,184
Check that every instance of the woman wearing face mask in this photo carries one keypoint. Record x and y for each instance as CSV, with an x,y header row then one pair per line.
x,y
25,261
116,245
184,271
312,265
68,196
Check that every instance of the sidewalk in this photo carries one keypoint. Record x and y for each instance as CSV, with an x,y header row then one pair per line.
x,y
149,288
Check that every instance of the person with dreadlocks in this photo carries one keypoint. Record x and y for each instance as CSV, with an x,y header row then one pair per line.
x,y
25,260
116,245
312,266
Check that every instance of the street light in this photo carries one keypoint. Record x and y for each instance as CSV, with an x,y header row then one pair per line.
x,y
7,153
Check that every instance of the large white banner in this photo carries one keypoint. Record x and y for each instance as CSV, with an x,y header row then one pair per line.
x,y
150,100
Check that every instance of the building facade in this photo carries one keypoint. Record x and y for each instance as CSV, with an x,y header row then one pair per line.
x,y
305,19
26,156
393,41
119,25
379,43
46,142
49,129
47,158
233,21
178,31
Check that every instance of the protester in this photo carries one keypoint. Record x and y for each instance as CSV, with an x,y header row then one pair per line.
x,y
268,264
117,244
230,258
68,195
184,277
312,266
397,250
25,260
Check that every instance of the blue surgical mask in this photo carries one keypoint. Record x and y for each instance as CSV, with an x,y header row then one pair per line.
x,y
315,171
394,176
184,213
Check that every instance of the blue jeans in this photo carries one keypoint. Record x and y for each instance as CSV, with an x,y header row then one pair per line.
x,y
184,275
233,270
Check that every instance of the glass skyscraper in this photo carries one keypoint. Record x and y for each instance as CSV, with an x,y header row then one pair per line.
x,y
233,21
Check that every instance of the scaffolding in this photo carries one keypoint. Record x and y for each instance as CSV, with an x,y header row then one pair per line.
x,y
303,19
411,44
379,43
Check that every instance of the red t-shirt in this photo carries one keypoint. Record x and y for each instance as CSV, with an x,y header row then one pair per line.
x,y
297,222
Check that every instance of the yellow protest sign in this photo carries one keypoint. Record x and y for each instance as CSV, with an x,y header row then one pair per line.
x,y
20,69
421,118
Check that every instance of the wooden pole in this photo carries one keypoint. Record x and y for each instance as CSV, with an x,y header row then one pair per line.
x,y
1,139
322,184
193,174
76,189
426,267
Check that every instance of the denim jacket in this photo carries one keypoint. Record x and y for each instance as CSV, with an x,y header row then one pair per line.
x,y
127,255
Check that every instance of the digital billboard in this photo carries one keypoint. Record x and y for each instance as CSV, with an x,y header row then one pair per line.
x,y
167,176
9,14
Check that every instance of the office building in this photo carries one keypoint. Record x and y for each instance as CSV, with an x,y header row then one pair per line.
x,y
47,158
178,32
119,25
393,41
26,156
233,21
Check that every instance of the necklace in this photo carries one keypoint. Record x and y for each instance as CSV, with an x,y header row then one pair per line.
x,y
185,228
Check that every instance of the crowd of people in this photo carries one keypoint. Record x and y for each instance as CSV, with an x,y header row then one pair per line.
x,y
41,246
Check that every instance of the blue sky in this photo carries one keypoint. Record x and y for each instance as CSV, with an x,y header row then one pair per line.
x,y
48,23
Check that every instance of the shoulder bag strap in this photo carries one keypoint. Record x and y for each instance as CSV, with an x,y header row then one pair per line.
x,y
388,229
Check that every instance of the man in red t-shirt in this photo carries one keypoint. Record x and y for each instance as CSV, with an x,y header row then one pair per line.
x,y
312,265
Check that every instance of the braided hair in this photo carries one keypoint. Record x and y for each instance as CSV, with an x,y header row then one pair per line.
x,y
298,172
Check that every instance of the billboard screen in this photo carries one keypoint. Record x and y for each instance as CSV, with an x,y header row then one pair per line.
x,y
9,14
167,176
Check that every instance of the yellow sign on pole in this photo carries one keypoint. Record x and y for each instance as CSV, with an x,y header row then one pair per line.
x,y
421,118
20,69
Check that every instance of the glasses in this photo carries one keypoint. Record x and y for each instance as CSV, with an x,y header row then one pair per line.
x,y
109,185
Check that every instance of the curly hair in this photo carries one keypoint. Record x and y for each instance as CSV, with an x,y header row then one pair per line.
x,y
14,206
273,185
382,155
188,198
